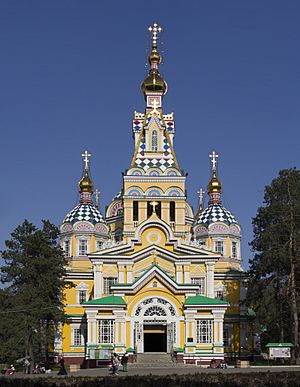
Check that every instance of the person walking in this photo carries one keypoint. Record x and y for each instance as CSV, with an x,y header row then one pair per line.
x,y
62,369
124,362
115,364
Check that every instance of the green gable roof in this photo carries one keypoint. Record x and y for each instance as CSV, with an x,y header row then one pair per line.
x,y
202,300
279,345
109,300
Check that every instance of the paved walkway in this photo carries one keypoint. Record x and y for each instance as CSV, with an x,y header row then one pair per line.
x,y
165,371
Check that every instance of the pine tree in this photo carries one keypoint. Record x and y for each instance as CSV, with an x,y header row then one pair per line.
x,y
274,272
34,272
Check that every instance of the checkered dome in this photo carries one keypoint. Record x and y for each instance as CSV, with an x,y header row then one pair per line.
x,y
216,213
84,212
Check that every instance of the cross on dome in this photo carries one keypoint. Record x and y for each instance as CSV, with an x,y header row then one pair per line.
x,y
154,29
214,157
86,160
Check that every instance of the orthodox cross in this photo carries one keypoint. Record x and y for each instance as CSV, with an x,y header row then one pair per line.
x,y
200,193
214,157
86,160
153,204
97,194
154,105
154,29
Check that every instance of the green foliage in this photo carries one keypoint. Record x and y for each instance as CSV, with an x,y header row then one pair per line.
x,y
31,304
204,379
273,290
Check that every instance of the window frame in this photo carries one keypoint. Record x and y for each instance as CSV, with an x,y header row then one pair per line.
x,y
201,281
101,331
154,141
204,331
107,286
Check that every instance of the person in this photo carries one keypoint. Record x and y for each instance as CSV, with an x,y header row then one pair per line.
x,y
11,370
62,369
124,362
115,364
26,366
213,363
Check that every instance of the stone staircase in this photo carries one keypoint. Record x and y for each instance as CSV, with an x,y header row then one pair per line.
x,y
156,360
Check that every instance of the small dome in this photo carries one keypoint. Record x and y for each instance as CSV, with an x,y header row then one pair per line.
x,y
85,184
154,82
84,212
216,213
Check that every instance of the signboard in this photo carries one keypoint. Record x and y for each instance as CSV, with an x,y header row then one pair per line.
x,y
279,352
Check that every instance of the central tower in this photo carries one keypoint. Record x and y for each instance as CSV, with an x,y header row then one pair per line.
x,y
154,172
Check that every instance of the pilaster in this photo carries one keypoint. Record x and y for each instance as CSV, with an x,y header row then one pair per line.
x,y
98,280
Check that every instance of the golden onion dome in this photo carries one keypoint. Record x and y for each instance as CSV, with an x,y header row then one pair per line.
x,y
214,184
154,82
85,184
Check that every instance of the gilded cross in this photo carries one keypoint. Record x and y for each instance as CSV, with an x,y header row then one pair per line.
x,y
154,105
97,194
86,160
153,204
154,29
214,157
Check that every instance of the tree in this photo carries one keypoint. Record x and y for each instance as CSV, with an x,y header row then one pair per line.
x,y
274,275
32,304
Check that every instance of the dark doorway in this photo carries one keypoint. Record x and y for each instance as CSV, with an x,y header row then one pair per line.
x,y
155,338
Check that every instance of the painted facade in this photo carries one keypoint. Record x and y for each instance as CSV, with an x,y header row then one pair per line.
x,y
150,276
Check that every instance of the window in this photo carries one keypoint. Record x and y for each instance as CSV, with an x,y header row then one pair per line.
x,y
219,247
201,282
157,209
135,211
78,337
107,282
204,331
81,296
172,211
106,331
67,247
234,249
154,141
83,245
227,336
220,295
99,245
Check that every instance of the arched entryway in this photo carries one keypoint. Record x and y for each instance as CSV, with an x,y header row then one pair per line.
x,y
155,325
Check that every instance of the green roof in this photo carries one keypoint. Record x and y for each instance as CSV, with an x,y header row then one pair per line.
x,y
202,300
280,345
109,300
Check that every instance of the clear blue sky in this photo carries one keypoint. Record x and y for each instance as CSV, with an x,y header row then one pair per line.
x,y
69,80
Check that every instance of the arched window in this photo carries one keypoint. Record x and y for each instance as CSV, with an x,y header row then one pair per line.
x,y
154,141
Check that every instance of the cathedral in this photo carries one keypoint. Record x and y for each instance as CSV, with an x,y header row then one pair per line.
x,y
150,275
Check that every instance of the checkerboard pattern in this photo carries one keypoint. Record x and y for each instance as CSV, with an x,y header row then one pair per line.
x,y
216,213
84,212
167,161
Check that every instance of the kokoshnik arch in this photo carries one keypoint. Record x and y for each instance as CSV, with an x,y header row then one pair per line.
x,y
150,276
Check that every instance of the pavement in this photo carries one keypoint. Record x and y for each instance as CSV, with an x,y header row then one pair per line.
x,y
96,372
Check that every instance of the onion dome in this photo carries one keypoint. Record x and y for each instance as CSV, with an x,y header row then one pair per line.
x,y
215,212
85,210
154,81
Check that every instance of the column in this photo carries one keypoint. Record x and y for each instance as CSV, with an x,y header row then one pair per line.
x,y
210,266
187,278
190,342
129,278
120,330
121,277
97,280
218,340
91,329
179,278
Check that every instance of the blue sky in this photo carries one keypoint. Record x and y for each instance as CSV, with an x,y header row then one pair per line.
x,y
70,73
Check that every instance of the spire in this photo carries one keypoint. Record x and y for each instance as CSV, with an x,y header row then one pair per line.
x,y
97,194
214,186
154,86
85,184
200,208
